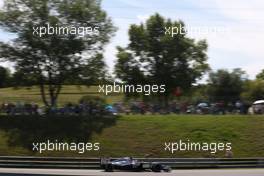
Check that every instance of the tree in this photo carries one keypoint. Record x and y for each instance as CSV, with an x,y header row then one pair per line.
x,y
128,70
226,86
253,90
20,78
4,76
260,76
93,73
53,57
153,57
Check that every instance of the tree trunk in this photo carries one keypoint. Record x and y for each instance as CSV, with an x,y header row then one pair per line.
x,y
42,92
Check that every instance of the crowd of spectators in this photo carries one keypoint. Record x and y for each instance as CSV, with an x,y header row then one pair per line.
x,y
181,108
35,109
20,108
134,107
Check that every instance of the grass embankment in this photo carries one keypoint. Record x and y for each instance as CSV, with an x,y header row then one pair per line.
x,y
145,135
69,93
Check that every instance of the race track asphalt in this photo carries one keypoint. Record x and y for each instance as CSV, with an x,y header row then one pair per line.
x,y
69,172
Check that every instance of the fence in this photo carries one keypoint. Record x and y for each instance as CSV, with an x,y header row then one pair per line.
x,y
94,163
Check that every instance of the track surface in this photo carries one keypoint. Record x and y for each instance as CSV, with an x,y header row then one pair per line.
x,y
42,172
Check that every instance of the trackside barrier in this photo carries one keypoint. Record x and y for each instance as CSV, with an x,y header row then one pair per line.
x,y
94,163
203,163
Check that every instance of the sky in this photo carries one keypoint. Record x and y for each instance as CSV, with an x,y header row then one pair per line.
x,y
240,46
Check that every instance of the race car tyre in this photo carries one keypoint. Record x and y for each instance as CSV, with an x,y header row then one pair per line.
x,y
109,168
166,168
156,168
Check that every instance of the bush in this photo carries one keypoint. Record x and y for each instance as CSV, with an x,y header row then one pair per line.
x,y
23,130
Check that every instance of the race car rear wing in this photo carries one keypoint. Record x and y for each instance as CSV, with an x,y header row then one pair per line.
x,y
104,161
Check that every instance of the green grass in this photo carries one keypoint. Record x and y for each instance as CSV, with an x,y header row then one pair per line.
x,y
137,135
145,135
69,93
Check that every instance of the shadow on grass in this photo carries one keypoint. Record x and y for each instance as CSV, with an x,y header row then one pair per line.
x,y
24,130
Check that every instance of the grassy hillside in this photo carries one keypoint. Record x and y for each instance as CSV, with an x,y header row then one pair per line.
x,y
137,135
69,93
145,135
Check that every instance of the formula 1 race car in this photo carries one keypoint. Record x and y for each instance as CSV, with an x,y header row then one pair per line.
x,y
130,164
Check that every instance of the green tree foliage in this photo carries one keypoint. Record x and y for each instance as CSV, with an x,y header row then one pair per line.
x,y
260,76
4,76
153,57
226,86
20,78
253,90
128,70
53,59
94,72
